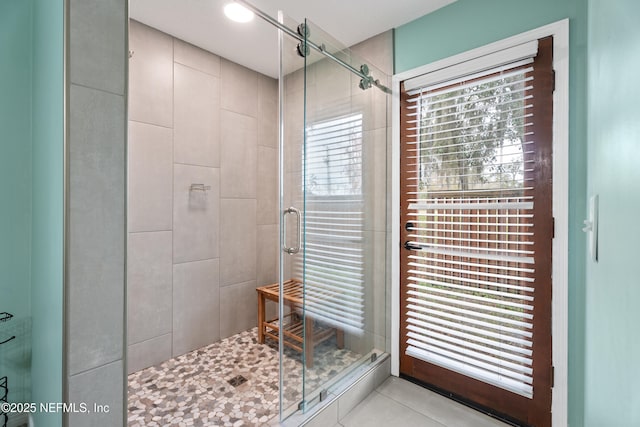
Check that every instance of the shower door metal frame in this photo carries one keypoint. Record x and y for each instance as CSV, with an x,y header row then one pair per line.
x,y
301,35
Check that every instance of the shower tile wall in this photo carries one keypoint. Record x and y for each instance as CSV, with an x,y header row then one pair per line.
x,y
195,258
94,288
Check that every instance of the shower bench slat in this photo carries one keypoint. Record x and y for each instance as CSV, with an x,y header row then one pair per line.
x,y
313,334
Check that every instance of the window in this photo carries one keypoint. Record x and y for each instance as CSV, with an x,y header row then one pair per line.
x,y
334,223
334,157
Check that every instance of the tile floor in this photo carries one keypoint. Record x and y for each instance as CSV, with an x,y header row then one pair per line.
x,y
399,403
233,382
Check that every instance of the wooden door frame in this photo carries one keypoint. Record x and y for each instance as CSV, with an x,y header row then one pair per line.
x,y
560,209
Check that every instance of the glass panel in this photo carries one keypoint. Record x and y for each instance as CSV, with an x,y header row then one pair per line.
x,y
291,196
344,183
334,171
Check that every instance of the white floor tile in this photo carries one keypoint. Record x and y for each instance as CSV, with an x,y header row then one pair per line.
x,y
378,410
435,406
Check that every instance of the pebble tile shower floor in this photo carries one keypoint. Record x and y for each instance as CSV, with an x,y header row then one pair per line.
x,y
233,382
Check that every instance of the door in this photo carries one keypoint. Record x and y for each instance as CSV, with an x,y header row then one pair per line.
x,y
290,317
477,228
333,228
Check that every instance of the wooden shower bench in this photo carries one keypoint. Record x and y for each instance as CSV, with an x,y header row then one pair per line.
x,y
293,334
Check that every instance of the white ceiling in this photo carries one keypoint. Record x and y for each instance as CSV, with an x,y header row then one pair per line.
x,y
254,45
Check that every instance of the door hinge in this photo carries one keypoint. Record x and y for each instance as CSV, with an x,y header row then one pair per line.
x,y
553,227
553,80
553,375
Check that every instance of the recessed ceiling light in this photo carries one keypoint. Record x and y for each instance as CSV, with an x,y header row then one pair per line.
x,y
237,12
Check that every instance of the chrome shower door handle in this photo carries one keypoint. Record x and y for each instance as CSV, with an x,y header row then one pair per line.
x,y
295,249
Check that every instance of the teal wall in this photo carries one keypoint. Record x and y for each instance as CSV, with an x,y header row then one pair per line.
x,y
31,185
612,395
15,190
467,24
15,156
47,203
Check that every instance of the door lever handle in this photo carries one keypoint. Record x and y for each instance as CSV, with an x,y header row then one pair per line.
x,y
411,246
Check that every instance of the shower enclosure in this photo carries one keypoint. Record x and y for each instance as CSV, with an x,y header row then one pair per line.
x,y
333,128
209,234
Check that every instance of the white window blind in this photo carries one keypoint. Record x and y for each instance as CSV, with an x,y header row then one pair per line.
x,y
496,61
470,282
334,223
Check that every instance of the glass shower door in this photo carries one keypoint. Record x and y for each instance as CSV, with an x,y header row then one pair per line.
x,y
333,217
291,326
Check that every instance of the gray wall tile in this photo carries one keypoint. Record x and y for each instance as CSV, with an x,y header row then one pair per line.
x,y
267,254
196,130
357,393
329,86
237,241
102,386
383,372
373,107
328,416
238,308
148,353
195,214
295,81
267,111
251,107
97,44
293,130
267,185
375,179
196,301
238,163
149,285
150,178
194,57
97,228
239,88
378,50
388,291
150,75
378,285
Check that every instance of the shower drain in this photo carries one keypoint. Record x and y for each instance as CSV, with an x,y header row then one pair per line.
x,y
237,380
